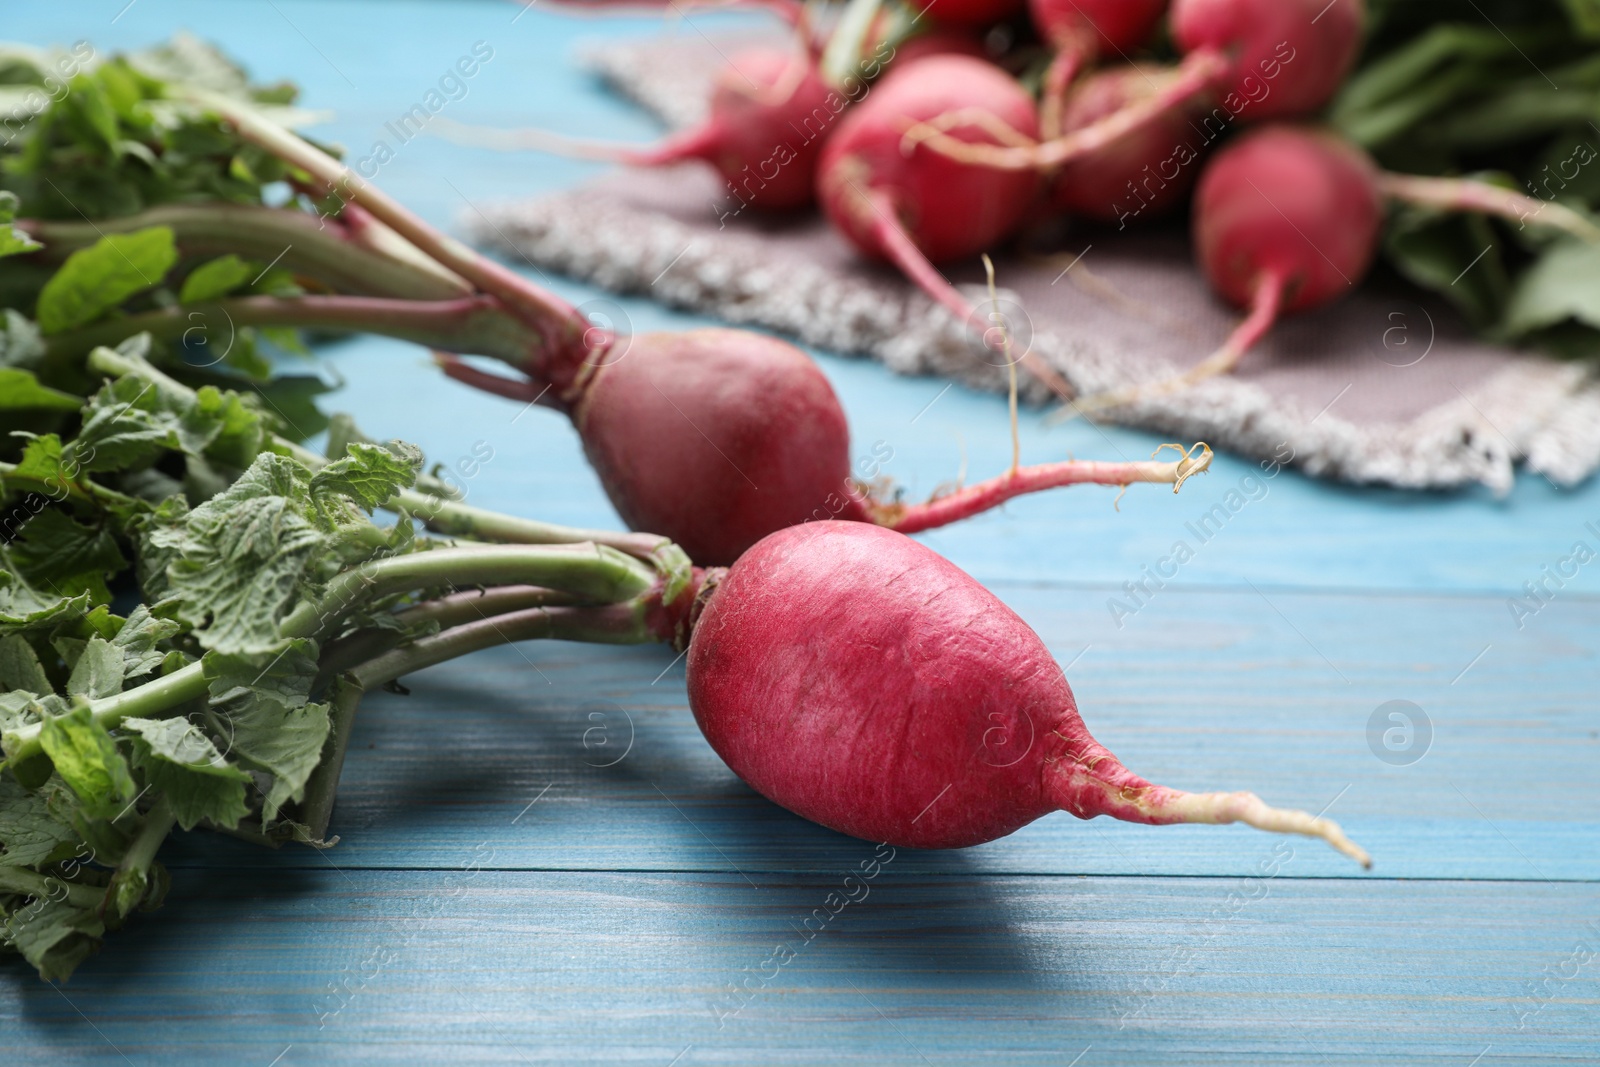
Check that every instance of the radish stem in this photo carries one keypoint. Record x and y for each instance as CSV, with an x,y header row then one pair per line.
x,y
974,499
904,253
1465,194
1264,311
697,143
560,325
1194,76
330,250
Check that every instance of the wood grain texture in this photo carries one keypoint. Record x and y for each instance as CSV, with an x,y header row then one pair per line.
x,y
486,966
509,891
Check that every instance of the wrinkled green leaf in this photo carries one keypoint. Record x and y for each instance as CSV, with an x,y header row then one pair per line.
x,y
368,475
242,556
266,721
55,936
139,639
20,667
57,552
13,240
186,768
87,759
30,833
24,608
96,279
97,672
20,342
133,420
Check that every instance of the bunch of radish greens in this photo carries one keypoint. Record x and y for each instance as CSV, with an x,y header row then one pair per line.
x,y
1305,136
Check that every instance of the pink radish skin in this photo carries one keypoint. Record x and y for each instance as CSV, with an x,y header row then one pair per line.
x,y
946,208
916,207
716,438
1288,207
1285,57
1081,31
769,110
1110,28
1145,174
863,682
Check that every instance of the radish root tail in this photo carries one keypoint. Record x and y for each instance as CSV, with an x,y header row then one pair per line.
x,y
1263,313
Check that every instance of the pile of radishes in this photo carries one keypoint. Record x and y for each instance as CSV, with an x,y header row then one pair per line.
x,y
950,154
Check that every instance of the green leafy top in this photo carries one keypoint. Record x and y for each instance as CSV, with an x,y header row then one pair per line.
x,y
1507,92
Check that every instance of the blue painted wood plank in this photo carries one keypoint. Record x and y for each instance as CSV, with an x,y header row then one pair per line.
x,y
1201,690
482,966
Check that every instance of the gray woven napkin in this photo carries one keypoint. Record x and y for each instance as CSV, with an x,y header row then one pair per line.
x,y
1377,388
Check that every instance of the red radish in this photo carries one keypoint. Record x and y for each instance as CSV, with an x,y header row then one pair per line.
x,y
1081,31
916,207
1261,59
768,116
1299,50
716,438
1145,173
1287,218
860,680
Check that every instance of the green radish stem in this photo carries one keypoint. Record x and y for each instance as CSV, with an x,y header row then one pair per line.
x,y
592,572
350,255
476,324
617,624
130,884
23,882
560,326
1466,194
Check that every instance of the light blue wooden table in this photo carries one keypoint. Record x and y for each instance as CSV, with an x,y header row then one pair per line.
x,y
542,862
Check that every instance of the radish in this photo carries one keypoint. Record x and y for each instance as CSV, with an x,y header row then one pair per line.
x,y
1147,170
1287,218
862,681
1081,31
768,116
915,207
716,438
1261,59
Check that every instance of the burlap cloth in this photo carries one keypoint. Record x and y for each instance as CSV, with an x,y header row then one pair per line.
x,y
1377,388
